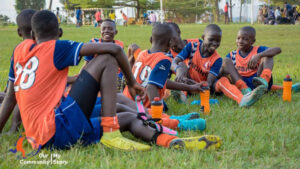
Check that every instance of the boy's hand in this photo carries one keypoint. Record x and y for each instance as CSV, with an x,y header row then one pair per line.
x,y
253,63
137,89
199,87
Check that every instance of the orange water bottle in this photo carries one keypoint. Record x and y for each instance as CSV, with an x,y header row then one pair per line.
x,y
287,89
157,109
204,96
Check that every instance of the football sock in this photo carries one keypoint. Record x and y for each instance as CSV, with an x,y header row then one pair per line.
x,y
266,74
240,84
231,91
170,123
164,140
110,124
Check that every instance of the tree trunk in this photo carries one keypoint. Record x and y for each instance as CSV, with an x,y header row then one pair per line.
x,y
138,9
230,8
217,15
241,11
50,5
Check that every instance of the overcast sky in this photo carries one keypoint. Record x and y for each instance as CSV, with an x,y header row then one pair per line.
x,y
7,8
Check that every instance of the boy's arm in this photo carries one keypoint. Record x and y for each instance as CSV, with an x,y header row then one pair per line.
x,y
178,66
7,105
115,50
183,87
270,52
214,72
152,91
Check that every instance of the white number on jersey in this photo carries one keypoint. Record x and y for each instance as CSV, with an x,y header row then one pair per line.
x,y
27,74
144,75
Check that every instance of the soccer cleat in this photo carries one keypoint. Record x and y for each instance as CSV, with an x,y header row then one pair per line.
x,y
296,87
117,141
246,91
252,97
195,124
189,116
209,142
257,81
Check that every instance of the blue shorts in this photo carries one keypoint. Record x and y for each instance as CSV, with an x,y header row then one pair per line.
x,y
249,83
97,108
73,126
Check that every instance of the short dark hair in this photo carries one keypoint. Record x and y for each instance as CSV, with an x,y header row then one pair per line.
x,y
212,28
249,29
24,20
44,24
109,20
161,33
175,26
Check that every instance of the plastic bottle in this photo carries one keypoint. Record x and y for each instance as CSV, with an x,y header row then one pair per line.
x,y
157,109
287,89
204,96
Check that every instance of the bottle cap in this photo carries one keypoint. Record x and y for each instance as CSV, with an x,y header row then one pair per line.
x,y
156,99
287,78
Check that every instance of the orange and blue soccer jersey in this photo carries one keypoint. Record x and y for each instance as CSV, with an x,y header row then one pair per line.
x,y
151,68
174,54
39,73
96,40
241,62
200,66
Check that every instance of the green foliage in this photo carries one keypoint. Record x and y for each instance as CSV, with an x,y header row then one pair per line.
x,y
34,4
4,20
185,10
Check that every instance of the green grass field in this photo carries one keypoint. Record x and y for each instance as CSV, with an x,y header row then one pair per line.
x,y
267,135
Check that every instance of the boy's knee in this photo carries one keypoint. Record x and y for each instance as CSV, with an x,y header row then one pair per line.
x,y
105,60
227,65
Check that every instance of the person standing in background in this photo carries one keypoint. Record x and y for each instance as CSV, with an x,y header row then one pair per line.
x,y
152,18
78,17
98,17
226,13
112,15
125,18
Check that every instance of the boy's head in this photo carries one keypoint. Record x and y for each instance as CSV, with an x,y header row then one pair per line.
x,y
176,43
24,23
45,25
245,38
212,37
108,30
161,36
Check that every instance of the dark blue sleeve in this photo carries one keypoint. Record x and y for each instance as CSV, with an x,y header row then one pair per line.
x,y
185,52
261,49
11,74
215,68
160,73
66,53
88,58
228,56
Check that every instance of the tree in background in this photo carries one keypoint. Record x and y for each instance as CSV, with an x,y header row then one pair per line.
x,y
187,10
140,5
33,4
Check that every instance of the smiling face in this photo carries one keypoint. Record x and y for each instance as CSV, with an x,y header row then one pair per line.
x,y
212,40
108,31
244,40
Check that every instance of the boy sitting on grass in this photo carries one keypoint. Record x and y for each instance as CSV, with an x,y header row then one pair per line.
x,y
24,31
152,68
203,65
250,66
